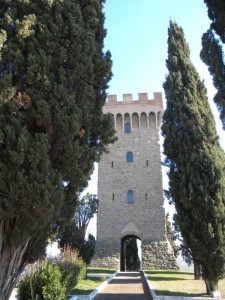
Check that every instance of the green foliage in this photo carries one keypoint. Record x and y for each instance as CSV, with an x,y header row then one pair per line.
x,y
216,13
72,234
24,291
171,236
53,81
196,160
212,53
88,250
88,206
132,258
53,280
73,269
47,284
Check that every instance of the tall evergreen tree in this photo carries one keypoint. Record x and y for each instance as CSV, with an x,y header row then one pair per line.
x,y
88,250
132,258
212,53
196,160
53,81
72,234
172,236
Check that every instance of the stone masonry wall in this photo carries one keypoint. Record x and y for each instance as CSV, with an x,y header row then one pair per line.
x,y
108,254
158,255
144,218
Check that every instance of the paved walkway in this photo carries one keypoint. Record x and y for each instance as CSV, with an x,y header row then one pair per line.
x,y
125,286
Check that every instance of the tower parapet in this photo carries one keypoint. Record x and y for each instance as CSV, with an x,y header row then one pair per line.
x,y
142,113
142,99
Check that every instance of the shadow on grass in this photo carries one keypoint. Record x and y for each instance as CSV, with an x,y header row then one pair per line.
x,y
172,293
100,271
81,292
95,278
128,274
121,296
149,272
150,278
157,275
86,286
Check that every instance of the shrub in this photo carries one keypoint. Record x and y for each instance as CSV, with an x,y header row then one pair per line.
x,y
24,291
46,283
53,280
73,269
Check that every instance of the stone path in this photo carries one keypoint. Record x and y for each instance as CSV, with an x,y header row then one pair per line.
x,y
124,286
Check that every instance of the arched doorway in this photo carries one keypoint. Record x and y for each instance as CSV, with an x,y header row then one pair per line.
x,y
130,256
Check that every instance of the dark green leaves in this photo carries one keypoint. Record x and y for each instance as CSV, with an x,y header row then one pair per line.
x,y
197,173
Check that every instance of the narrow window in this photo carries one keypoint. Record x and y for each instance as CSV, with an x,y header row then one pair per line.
x,y
130,196
112,164
130,157
127,128
146,196
147,163
113,197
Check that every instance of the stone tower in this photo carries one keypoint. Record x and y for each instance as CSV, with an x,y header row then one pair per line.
x,y
130,186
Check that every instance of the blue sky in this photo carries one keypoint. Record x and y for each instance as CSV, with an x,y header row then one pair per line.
x,y
137,40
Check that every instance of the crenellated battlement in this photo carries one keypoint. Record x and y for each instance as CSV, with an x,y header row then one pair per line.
x,y
130,106
128,98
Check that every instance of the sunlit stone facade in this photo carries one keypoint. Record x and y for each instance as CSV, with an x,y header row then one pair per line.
x,y
130,185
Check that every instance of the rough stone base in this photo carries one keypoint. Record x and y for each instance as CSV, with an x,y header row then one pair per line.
x,y
155,255
105,262
107,255
158,255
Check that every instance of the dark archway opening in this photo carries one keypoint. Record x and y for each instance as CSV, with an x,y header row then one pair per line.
x,y
130,253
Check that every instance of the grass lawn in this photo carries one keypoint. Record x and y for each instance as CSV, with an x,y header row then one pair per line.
x,y
94,278
179,283
87,285
100,271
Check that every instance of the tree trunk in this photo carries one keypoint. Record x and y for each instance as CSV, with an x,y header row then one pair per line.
x,y
211,286
11,262
197,271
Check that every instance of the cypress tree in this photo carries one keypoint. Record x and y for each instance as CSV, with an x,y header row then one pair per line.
x,y
212,53
196,161
88,250
53,81
132,258
172,236
72,234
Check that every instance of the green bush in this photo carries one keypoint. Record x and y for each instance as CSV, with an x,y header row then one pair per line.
x,y
72,270
46,282
24,288
53,280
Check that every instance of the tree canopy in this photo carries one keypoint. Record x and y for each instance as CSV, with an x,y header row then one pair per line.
x,y
212,53
53,81
172,236
196,161
72,234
